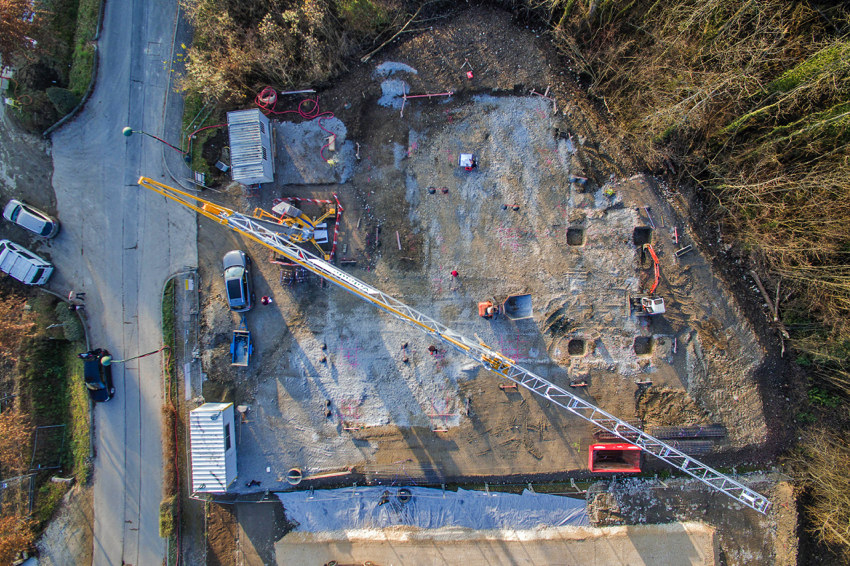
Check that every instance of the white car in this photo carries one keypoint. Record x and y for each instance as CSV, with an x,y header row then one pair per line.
x,y
31,219
23,265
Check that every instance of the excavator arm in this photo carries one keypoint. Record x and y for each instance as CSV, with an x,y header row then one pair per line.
x,y
489,359
656,268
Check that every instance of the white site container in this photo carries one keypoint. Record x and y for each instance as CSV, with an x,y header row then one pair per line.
x,y
212,436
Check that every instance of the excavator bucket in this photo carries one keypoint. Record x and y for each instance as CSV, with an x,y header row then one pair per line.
x,y
517,307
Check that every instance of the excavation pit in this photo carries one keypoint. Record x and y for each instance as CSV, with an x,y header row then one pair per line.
x,y
576,347
575,236
642,235
644,345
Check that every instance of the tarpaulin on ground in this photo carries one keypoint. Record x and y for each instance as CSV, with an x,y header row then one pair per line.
x,y
379,507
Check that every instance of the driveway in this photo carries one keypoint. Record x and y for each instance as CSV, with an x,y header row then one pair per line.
x,y
119,245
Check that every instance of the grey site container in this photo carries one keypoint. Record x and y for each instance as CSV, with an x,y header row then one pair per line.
x,y
251,150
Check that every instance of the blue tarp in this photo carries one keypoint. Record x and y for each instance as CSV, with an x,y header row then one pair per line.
x,y
361,508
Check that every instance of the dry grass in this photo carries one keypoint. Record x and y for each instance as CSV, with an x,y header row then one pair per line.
x,y
823,464
16,432
16,324
751,99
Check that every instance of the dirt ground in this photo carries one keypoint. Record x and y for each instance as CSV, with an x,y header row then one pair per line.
x,y
67,540
632,502
334,385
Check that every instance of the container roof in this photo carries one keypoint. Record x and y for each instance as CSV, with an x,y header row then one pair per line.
x,y
206,430
245,131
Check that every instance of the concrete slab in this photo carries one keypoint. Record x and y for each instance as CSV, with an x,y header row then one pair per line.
x,y
303,158
675,543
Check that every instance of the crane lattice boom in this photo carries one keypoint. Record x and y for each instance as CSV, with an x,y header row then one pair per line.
x,y
265,233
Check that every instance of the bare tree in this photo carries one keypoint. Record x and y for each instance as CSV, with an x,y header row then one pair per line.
x,y
16,23
16,535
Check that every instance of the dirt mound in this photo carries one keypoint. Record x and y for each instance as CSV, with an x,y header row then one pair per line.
x,y
669,407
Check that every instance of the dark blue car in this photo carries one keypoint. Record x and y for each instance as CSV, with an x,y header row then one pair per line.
x,y
98,377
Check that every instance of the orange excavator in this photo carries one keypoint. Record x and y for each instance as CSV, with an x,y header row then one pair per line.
x,y
515,307
649,304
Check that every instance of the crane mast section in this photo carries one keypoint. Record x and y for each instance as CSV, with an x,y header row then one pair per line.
x,y
480,352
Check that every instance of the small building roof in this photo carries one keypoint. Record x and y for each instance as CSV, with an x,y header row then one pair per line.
x,y
245,130
206,431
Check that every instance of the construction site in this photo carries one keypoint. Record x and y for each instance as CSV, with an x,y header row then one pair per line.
x,y
493,302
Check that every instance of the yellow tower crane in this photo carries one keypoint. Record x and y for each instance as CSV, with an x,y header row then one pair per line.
x,y
284,239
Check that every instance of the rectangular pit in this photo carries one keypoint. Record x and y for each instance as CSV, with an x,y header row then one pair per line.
x,y
642,235
575,237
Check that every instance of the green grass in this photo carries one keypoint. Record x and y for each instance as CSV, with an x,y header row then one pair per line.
x,y
78,436
193,104
197,115
47,499
168,333
169,503
167,516
52,393
822,62
43,381
364,16
82,59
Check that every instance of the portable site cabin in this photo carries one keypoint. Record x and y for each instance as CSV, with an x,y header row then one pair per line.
x,y
213,447
251,150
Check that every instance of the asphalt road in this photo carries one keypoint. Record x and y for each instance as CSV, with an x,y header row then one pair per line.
x,y
119,245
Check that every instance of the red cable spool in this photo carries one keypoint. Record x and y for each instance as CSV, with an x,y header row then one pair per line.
x,y
267,98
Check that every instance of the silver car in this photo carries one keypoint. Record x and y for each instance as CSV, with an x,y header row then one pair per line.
x,y
31,219
237,281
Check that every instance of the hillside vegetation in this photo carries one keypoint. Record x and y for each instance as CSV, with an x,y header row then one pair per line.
x,y
744,102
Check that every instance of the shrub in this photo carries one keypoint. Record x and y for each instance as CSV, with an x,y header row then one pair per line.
x,y
365,17
71,326
167,512
240,46
63,99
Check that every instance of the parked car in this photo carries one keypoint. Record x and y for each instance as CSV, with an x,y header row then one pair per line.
x,y
23,265
31,219
237,281
98,377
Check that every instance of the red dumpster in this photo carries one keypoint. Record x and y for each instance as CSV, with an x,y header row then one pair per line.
x,y
619,458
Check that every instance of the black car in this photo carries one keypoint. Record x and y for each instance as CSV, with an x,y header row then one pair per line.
x,y
98,377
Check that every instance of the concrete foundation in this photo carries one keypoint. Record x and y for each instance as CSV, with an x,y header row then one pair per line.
x,y
674,543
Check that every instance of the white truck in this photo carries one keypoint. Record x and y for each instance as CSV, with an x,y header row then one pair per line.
x,y
23,265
